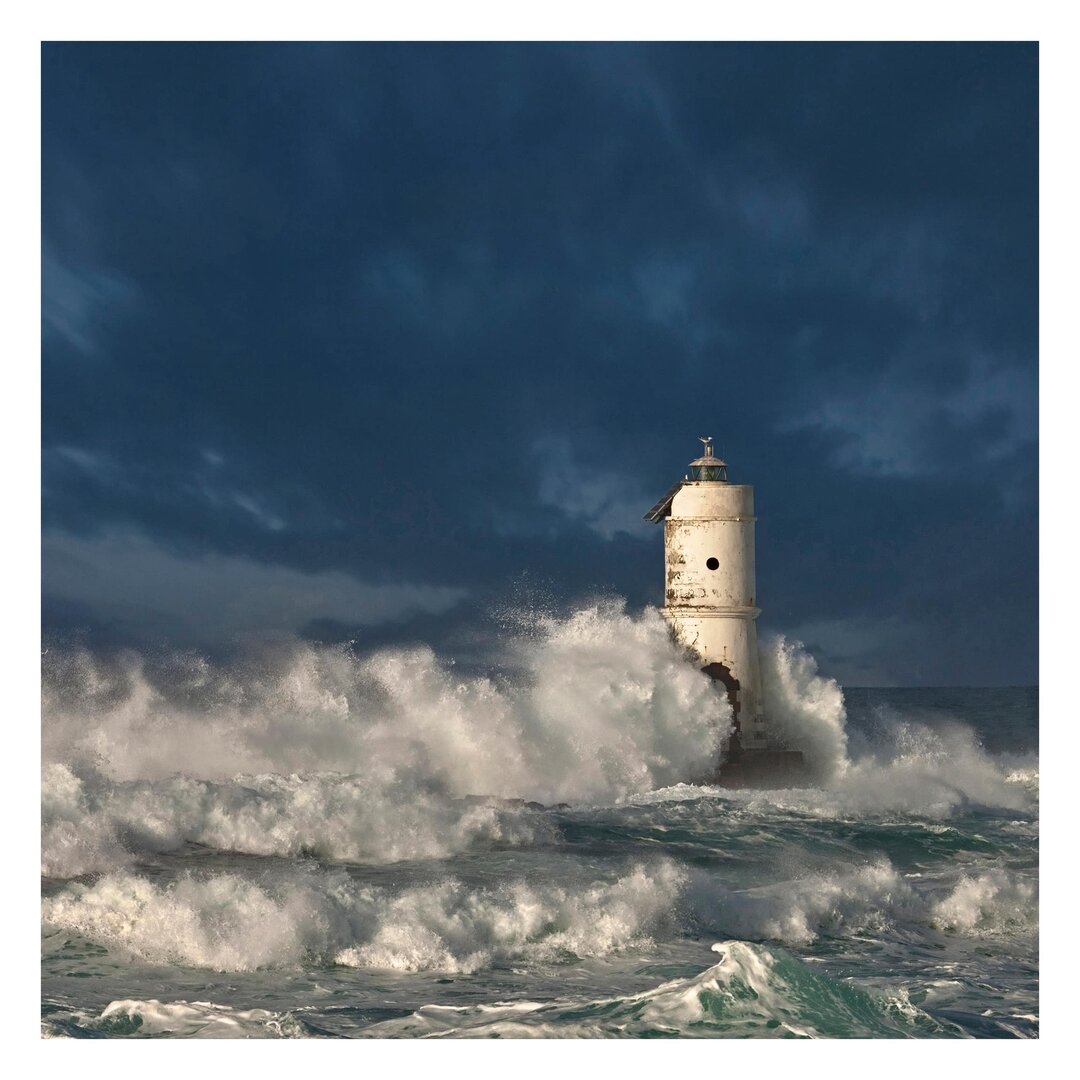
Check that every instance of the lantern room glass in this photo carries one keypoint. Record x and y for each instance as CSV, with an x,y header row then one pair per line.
x,y
708,472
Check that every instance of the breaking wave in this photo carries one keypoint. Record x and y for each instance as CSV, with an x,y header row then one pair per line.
x,y
806,710
914,834
175,1019
602,703
229,923
913,769
989,903
92,823
364,757
752,991
796,912
396,755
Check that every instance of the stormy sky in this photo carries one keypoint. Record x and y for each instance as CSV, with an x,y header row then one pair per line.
x,y
364,341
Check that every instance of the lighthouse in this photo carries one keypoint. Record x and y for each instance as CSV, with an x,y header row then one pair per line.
x,y
710,602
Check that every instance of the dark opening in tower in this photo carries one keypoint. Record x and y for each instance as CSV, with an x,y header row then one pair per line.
x,y
721,673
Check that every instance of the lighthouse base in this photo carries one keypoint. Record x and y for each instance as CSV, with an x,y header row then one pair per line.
x,y
763,769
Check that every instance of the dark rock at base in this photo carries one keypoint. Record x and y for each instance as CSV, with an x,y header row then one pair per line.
x,y
764,769
510,804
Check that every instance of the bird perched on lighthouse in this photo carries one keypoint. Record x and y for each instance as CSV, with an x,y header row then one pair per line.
x,y
710,602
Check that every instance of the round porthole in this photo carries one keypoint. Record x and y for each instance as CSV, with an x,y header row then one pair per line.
x,y
713,564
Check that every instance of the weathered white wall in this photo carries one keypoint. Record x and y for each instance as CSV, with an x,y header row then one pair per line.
x,y
713,611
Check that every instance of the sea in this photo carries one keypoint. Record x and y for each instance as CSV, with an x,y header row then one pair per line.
x,y
312,841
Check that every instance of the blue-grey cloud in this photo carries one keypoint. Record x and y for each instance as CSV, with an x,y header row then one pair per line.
x,y
444,314
77,303
142,587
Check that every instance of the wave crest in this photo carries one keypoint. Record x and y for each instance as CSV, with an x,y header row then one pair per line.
x,y
228,923
600,704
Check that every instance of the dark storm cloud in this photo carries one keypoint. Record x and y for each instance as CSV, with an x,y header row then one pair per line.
x,y
429,316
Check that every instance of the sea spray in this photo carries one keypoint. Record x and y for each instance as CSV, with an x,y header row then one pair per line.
x,y
229,922
368,758
372,754
345,835
805,710
992,902
913,769
797,911
605,705
175,1020
91,823
226,922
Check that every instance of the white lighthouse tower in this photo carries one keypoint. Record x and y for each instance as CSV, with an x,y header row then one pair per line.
x,y
711,603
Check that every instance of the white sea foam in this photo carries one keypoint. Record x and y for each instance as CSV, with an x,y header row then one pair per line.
x,y
74,839
362,757
176,1019
92,823
752,991
874,899
229,923
989,903
796,912
911,769
805,709
605,704
367,758
907,766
